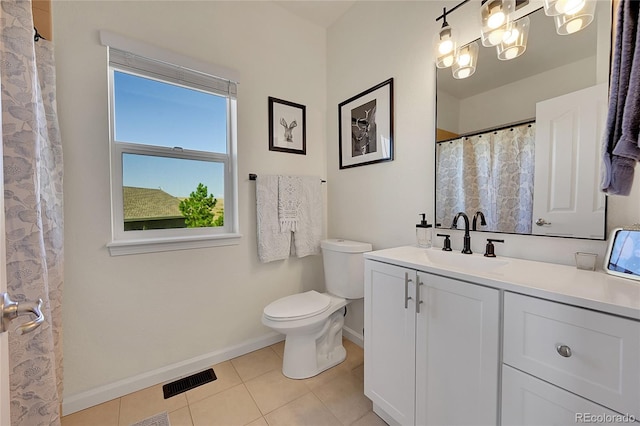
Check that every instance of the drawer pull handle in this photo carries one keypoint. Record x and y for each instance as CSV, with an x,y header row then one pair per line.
x,y
407,280
564,350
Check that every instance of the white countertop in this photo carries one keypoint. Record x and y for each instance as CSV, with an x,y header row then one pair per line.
x,y
566,284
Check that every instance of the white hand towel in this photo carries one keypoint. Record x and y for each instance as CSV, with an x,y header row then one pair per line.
x,y
272,243
289,199
308,232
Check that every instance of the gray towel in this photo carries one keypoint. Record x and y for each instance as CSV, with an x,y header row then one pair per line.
x,y
620,150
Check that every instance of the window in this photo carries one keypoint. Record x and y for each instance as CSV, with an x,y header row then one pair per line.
x,y
173,171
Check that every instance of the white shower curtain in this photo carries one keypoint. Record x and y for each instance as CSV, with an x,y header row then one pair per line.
x,y
492,173
32,155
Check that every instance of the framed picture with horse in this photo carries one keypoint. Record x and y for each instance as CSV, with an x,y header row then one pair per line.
x,y
287,126
365,127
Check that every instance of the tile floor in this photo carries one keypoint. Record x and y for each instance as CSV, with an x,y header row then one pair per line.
x,y
250,390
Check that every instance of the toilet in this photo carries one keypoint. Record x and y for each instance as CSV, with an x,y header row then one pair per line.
x,y
311,321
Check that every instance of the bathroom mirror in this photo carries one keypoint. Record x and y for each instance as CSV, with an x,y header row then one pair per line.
x,y
489,152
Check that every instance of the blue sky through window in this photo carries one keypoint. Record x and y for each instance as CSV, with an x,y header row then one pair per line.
x,y
155,113
175,176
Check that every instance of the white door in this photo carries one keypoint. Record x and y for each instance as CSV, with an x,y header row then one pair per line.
x,y
389,340
567,199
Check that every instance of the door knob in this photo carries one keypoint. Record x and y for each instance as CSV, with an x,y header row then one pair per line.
x,y
542,222
11,310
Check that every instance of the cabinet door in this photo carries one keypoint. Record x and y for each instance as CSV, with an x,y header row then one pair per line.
x,y
458,342
389,339
528,401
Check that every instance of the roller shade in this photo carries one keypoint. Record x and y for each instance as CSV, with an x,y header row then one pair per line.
x,y
152,61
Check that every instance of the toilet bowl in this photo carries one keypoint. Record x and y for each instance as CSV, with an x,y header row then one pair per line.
x,y
312,321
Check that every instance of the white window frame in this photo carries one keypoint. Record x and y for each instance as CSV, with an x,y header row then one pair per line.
x,y
134,242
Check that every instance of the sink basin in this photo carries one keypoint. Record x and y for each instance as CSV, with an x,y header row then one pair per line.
x,y
464,261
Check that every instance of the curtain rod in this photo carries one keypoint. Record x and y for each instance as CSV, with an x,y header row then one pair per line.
x,y
36,35
493,129
253,176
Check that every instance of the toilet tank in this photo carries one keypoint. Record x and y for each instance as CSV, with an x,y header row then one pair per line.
x,y
344,267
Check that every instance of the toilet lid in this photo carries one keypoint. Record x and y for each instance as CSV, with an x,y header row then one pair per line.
x,y
297,306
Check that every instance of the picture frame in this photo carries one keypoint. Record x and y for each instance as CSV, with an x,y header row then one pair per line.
x,y
365,127
287,126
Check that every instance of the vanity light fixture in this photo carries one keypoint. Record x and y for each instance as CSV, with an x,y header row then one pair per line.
x,y
496,16
514,42
575,19
466,61
445,44
509,37
560,7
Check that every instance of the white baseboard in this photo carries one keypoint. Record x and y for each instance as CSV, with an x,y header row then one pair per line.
x,y
384,416
351,335
86,399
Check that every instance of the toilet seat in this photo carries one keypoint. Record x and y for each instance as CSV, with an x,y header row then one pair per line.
x,y
297,306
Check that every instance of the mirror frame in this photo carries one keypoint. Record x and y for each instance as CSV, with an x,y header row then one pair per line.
x,y
611,25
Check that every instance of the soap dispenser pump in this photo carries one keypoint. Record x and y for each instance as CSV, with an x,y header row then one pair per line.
x,y
423,232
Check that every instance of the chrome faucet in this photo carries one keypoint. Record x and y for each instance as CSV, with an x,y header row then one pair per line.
x,y
467,237
483,222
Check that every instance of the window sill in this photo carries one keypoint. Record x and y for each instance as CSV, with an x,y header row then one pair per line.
x,y
153,245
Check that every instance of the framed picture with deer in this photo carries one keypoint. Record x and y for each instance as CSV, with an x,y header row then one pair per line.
x,y
365,127
287,126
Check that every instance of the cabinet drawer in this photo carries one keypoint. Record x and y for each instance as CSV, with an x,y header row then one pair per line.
x,y
532,402
592,354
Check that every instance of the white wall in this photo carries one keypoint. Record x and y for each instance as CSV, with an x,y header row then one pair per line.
x,y
482,111
380,203
128,315
448,112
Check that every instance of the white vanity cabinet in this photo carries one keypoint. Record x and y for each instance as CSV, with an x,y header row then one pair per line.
x,y
431,347
512,342
564,361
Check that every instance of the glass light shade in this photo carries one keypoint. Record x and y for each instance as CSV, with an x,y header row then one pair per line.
x,y
570,23
514,42
563,7
466,61
445,47
495,14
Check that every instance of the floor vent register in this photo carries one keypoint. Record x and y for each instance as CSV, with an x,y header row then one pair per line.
x,y
188,383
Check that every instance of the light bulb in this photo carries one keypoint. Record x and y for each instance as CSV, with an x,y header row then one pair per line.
x,y
511,53
510,36
496,18
574,26
445,46
496,36
464,59
448,61
464,72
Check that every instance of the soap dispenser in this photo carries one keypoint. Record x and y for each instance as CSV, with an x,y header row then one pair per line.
x,y
423,232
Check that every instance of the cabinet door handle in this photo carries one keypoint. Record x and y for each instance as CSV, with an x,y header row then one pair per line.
x,y
407,280
564,350
418,301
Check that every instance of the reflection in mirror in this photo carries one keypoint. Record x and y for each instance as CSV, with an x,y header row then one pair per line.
x,y
491,173
519,140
